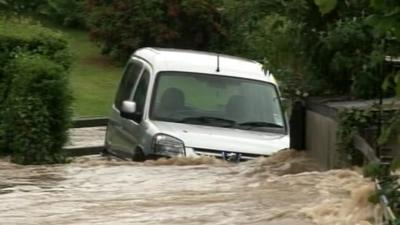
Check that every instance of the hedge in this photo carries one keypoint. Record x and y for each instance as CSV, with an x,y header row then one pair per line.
x,y
37,111
35,98
18,36
21,35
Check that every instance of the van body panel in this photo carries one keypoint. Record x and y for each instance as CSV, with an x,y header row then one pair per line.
x,y
123,136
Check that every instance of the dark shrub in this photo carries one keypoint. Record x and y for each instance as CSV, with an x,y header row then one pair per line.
x,y
125,25
69,13
37,110
344,59
20,5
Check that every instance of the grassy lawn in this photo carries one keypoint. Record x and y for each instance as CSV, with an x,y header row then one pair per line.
x,y
94,78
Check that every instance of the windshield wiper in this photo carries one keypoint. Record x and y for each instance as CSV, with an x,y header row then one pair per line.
x,y
209,120
253,124
228,123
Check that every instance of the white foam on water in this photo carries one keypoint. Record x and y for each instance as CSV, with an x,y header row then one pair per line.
x,y
284,189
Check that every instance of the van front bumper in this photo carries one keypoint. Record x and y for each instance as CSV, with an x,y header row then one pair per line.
x,y
221,154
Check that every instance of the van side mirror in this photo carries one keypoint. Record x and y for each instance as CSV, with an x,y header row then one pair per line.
x,y
128,111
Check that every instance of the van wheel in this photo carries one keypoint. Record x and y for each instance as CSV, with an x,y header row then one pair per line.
x,y
138,155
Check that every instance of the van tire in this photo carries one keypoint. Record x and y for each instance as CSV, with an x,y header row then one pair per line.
x,y
138,155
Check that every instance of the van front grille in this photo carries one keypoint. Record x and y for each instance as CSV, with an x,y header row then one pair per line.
x,y
219,153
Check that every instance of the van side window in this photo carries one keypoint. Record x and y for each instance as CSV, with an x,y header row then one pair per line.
x,y
127,83
141,91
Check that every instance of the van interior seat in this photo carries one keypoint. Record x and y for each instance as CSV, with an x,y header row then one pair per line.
x,y
172,100
235,108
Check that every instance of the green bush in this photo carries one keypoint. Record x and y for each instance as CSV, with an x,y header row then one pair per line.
x,y
123,26
18,36
70,13
321,47
344,61
29,137
21,35
34,96
20,5
37,111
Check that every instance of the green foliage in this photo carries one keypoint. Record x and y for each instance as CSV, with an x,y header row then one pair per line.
x,y
374,198
390,129
373,170
319,46
35,99
386,22
386,17
397,81
69,13
30,139
123,26
344,59
391,189
324,47
326,6
37,111
351,121
19,5
395,165
278,57
21,35
4,136
270,32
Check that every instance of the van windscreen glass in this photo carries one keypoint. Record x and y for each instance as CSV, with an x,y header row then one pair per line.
x,y
215,100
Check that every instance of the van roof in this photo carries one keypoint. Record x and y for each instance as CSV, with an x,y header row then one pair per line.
x,y
162,59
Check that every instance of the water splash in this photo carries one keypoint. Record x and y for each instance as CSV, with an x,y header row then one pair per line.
x,y
284,189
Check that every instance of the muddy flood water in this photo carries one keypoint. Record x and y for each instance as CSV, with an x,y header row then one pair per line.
x,y
285,189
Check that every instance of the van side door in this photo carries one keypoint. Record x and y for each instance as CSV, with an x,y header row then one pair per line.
x,y
134,130
116,140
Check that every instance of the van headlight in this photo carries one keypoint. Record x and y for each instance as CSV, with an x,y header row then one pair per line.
x,y
167,145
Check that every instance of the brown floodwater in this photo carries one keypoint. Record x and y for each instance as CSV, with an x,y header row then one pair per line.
x,y
285,189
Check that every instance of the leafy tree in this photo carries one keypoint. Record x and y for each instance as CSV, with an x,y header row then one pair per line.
x,y
322,46
70,13
386,23
123,26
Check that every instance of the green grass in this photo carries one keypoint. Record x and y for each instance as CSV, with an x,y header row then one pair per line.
x,y
94,78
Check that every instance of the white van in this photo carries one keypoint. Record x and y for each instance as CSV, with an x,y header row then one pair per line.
x,y
187,103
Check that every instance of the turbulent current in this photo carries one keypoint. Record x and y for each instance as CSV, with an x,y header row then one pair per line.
x,y
285,189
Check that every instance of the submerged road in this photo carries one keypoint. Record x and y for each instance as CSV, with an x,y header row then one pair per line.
x,y
285,189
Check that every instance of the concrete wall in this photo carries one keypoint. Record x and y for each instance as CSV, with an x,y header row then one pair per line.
x,y
321,139
321,126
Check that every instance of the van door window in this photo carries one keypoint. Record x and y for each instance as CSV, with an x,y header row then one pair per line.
x,y
127,83
141,91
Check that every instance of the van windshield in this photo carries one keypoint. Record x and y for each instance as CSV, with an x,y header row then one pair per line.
x,y
214,100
